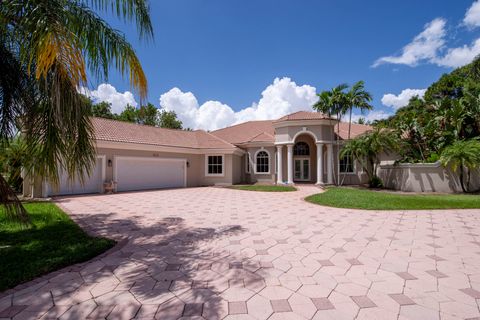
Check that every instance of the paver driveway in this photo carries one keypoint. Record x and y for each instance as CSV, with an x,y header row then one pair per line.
x,y
221,253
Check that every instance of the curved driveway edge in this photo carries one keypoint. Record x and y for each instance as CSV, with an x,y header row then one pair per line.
x,y
218,253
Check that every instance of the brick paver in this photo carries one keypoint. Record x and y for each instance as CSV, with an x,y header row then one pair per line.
x,y
217,253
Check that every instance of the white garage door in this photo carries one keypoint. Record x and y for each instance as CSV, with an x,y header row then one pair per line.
x,y
136,173
93,184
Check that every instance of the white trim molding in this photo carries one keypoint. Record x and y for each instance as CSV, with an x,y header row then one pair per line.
x,y
206,165
269,161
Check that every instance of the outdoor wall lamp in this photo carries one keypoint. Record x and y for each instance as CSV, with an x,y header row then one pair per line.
x,y
109,163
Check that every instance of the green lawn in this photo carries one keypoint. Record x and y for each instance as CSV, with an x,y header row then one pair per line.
x,y
264,188
54,241
375,200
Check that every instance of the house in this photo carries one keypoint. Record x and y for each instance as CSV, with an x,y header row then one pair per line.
x,y
298,148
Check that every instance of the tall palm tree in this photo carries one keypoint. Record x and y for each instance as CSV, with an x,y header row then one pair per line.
x,y
463,155
357,97
333,102
47,49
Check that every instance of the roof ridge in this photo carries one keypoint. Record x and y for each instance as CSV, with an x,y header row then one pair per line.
x,y
242,123
140,124
218,138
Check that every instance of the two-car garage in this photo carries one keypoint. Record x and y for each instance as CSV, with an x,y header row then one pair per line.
x,y
130,174
140,173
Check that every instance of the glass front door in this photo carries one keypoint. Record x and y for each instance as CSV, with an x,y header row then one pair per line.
x,y
302,169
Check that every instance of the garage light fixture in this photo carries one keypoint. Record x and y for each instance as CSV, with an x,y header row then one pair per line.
x,y
109,162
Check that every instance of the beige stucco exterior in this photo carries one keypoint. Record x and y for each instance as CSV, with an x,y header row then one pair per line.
x,y
321,164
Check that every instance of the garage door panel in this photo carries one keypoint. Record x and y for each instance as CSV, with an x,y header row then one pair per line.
x,y
143,174
92,184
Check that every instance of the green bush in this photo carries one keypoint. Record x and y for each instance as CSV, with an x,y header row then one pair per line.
x,y
375,182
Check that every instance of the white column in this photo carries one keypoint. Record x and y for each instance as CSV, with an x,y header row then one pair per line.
x,y
279,164
290,163
319,163
330,163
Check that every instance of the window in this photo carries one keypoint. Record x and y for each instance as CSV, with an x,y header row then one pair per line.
x,y
301,149
346,164
214,165
263,162
247,163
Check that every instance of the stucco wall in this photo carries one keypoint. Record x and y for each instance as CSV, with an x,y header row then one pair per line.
x,y
288,134
261,178
431,177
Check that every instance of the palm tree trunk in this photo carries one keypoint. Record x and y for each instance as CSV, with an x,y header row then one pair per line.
x,y
461,180
349,130
14,209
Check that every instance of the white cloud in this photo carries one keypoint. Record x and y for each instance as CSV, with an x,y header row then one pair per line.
x,y
457,57
424,46
281,97
372,116
472,16
401,100
107,92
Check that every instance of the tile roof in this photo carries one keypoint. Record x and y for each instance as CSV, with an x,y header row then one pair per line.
x,y
304,115
245,132
264,131
119,131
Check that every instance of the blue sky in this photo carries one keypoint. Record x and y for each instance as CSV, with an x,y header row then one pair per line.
x,y
228,52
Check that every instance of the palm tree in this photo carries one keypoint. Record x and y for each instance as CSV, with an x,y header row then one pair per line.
x,y
358,98
368,148
333,102
47,47
463,155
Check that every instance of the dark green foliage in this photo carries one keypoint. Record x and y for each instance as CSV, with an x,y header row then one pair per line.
x,y
52,241
129,114
147,115
375,182
168,119
102,110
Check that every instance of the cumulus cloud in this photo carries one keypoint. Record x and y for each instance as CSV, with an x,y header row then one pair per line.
x,y
281,97
372,116
401,100
472,16
106,92
457,57
424,47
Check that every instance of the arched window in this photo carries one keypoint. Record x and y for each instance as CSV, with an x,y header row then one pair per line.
x,y
263,162
301,149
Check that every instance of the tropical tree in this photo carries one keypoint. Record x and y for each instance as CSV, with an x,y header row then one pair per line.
x,y
369,147
463,155
333,103
47,47
102,110
148,115
168,119
129,114
358,98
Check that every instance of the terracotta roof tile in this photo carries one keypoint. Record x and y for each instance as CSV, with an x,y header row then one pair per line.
x,y
263,131
304,115
119,131
245,132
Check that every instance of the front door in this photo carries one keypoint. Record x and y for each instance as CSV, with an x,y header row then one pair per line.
x,y
302,169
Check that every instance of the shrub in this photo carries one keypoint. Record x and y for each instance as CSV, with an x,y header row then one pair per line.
x,y
375,182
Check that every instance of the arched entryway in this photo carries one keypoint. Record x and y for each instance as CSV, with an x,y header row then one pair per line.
x,y
304,164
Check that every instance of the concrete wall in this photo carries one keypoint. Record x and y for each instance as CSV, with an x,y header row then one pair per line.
x,y
427,177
